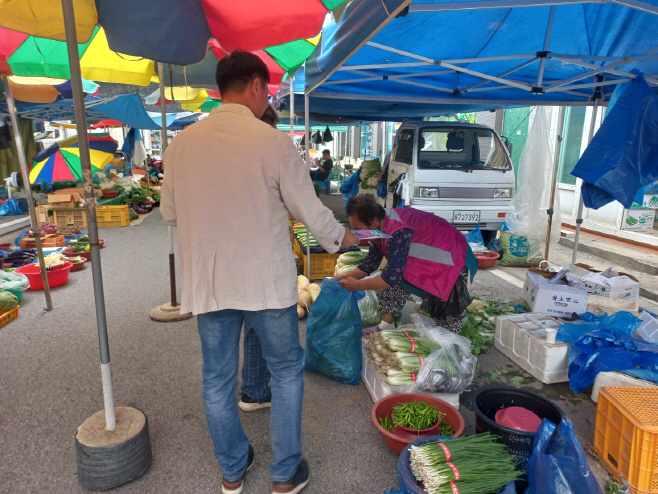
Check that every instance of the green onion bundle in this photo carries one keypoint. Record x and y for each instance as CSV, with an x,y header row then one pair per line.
x,y
472,465
398,355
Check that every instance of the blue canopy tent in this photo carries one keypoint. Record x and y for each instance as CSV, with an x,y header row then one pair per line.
x,y
396,59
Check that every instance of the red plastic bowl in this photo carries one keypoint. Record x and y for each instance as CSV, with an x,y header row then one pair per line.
x,y
68,252
486,260
56,277
385,406
110,194
78,266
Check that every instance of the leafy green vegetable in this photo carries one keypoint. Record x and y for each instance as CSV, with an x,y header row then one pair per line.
x,y
8,301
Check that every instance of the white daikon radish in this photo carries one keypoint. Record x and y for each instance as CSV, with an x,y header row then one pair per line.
x,y
314,291
303,299
302,282
301,312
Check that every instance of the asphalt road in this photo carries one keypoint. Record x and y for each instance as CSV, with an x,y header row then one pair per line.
x,y
50,383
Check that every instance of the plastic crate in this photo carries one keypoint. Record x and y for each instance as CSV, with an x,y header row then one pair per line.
x,y
112,216
8,315
322,265
76,217
626,436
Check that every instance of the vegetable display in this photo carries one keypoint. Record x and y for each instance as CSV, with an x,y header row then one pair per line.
x,y
349,261
467,465
418,415
54,260
307,293
44,229
477,328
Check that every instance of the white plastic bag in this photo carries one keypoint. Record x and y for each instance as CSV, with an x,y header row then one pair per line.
x,y
527,215
450,369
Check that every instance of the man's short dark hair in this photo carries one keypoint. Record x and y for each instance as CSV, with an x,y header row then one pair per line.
x,y
237,70
366,208
326,151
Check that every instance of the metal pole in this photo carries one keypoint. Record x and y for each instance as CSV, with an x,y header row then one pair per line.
x,y
556,160
163,147
307,157
28,190
90,203
292,109
581,204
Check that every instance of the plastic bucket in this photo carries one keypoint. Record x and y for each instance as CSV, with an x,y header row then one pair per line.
x,y
488,401
56,277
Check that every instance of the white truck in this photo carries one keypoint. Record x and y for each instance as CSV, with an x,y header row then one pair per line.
x,y
461,172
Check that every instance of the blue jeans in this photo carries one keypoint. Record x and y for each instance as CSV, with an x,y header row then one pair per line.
x,y
255,375
278,332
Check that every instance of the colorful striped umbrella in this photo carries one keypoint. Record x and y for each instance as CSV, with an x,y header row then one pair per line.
x,y
43,89
171,31
61,161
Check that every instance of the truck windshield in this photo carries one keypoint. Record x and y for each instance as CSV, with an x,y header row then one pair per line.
x,y
461,147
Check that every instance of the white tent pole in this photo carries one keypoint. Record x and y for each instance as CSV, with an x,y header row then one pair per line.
x,y
547,41
307,157
292,108
90,203
20,151
556,162
581,204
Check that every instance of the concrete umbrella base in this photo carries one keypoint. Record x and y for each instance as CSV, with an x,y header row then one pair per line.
x,y
107,459
168,313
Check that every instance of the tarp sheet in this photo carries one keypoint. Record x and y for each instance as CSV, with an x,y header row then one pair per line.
x,y
426,57
623,155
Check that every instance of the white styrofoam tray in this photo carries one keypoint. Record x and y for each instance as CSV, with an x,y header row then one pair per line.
x,y
378,388
522,338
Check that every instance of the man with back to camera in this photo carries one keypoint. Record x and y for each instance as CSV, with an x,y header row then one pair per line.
x,y
237,261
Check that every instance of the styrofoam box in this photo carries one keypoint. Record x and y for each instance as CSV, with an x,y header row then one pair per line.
x,y
378,388
616,379
522,338
648,330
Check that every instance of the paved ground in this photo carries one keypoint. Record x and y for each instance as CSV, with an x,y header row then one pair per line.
x,y
50,383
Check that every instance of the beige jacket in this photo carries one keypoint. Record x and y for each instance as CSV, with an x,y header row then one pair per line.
x,y
230,182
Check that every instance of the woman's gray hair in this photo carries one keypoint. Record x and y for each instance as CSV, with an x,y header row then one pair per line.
x,y
271,116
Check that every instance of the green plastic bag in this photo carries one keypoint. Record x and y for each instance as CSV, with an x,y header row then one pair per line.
x,y
515,250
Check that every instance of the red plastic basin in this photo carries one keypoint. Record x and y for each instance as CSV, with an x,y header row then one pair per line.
x,y
56,277
486,259
385,406
78,266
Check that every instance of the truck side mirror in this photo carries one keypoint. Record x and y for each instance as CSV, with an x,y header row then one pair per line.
x,y
510,146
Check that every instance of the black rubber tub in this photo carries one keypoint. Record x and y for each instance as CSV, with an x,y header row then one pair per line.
x,y
488,401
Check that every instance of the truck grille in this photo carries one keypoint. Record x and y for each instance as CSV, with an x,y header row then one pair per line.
x,y
465,193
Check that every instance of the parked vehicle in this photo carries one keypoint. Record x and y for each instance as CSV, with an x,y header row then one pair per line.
x,y
459,171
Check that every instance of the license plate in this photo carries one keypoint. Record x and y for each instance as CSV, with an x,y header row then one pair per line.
x,y
466,217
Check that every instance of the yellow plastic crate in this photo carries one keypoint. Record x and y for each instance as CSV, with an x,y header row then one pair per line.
x,y
322,265
9,315
626,435
112,216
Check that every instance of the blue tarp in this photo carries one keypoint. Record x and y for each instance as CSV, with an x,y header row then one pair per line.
x,y
127,109
623,155
414,64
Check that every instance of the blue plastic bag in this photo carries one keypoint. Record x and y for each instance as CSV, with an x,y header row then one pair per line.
x,y
558,464
10,208
333,334
475,239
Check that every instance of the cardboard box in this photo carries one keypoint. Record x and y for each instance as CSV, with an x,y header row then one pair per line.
x,y
638,219
65,200
522,338
557,300
608,283
598,305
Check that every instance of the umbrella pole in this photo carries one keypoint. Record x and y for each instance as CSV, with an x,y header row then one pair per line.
x,y
556,164
292,109
168,312
28,190
90,205
307,155
106,456
581,204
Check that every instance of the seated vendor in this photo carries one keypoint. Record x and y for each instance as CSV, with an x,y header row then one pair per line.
x,y
426,257
324,169
155,172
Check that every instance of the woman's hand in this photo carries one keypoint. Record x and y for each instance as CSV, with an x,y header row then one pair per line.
x,y
350,284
